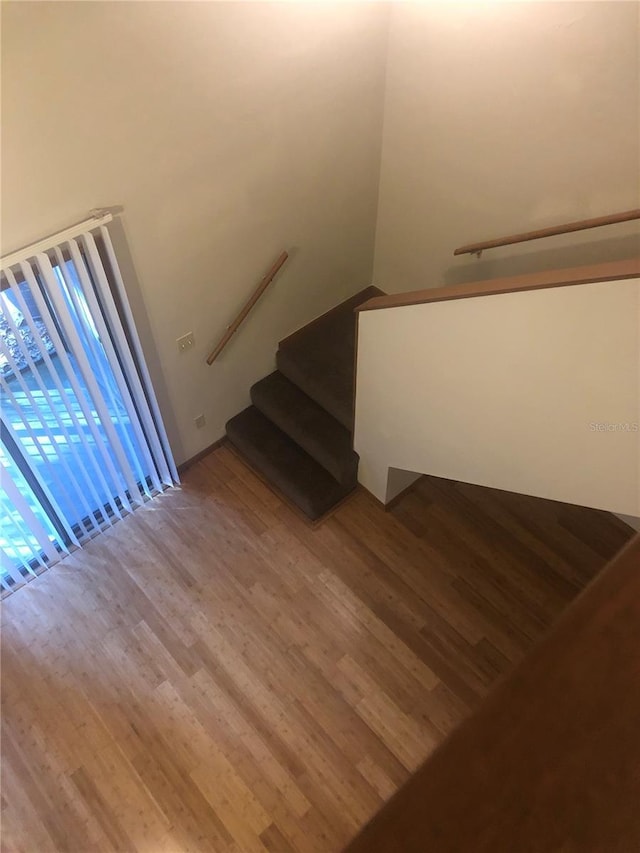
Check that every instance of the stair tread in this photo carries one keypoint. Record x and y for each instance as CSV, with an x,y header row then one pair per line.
x,y
284,463
308,424
320,358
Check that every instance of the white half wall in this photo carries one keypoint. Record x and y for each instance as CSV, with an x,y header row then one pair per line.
x,y
228,132
535,392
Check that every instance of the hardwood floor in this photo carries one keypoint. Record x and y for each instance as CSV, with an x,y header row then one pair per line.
x,y
550,761
212,674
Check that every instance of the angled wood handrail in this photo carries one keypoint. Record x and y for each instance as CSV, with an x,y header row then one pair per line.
x,y
581,225
611,271
257,293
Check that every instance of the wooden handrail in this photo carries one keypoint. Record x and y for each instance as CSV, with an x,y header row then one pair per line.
x,y
611,271
257,293
581,225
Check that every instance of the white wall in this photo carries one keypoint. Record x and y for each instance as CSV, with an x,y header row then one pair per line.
x,y
504,391
228,131
500,118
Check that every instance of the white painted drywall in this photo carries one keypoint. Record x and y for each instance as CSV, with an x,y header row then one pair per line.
x,y
536,392
500,118
228,132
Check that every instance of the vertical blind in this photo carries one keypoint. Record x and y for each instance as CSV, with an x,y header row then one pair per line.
x,y
83,441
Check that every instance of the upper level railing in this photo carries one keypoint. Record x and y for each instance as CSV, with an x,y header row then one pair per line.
x,y
581,225
257,293
611,271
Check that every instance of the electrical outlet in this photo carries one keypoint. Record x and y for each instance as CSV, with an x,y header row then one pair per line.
x,y
185,342
200,421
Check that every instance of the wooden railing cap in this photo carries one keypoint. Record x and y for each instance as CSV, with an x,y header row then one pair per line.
x,y
611,271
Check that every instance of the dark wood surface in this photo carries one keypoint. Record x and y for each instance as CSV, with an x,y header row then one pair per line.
x,y
610,271
212,674
567,228
551,762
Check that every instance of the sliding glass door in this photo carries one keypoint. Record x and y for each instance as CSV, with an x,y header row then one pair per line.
x,y
80,441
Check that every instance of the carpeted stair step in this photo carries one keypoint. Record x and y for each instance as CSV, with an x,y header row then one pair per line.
x,y
284,464
320,358
308,424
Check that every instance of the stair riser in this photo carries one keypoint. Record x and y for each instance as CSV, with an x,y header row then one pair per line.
x,y
246,451
345,471
319,395
284,464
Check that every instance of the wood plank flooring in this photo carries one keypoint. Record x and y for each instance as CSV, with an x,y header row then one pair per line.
x,y
212,674
550,762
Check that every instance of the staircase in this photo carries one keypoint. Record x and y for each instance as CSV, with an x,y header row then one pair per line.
x,y
297,432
